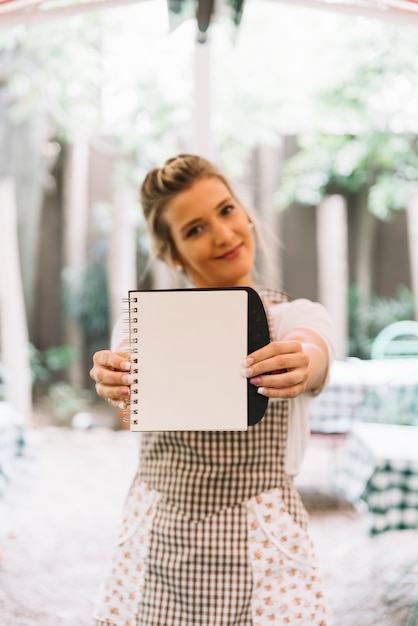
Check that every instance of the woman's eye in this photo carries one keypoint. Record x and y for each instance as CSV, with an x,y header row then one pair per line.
x,y
193,231
226,210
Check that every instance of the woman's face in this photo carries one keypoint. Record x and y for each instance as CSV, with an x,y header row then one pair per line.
x,y
212,236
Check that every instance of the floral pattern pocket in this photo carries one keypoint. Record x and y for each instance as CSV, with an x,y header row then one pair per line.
x,y
138,506
122,589
286,585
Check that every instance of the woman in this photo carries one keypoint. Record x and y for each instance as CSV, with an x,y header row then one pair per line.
x,y
214,532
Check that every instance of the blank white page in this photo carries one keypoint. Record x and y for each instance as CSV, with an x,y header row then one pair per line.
x,y
189,346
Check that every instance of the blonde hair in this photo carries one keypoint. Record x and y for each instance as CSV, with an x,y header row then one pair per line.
x,y
162,185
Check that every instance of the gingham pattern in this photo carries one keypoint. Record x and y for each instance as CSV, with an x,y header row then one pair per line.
x,y
396,403
389,486
198,565
239,567
204,472
198,572
392,497
336,408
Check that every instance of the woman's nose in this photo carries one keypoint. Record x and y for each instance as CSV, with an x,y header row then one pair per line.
x,y
222,233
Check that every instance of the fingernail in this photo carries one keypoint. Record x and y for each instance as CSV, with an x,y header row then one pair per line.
x,y
128,379
125,365
248,361
256,380
121,405
247,372
260,390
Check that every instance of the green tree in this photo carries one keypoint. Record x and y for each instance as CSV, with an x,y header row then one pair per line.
x,y
365,148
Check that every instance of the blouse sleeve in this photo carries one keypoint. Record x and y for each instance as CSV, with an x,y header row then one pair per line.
x,y
301,313
119,340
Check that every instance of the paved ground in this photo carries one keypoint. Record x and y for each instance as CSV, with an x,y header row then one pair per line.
x,y
59,516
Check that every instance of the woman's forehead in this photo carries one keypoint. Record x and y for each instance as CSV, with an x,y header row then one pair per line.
x,y
203,192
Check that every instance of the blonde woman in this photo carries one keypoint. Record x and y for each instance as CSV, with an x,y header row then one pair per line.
x,y
214,532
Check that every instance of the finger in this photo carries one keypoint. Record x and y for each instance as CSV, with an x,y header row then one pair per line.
x,y
272,349
111,368
278,364
285,378
114,393
284,393
118,404
112,360
110,376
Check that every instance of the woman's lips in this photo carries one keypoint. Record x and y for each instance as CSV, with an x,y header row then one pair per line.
x,y
231,254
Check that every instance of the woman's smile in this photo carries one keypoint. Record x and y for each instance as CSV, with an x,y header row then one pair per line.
x,y
231,254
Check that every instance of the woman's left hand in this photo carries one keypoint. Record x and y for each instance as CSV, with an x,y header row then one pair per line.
x,y
279,370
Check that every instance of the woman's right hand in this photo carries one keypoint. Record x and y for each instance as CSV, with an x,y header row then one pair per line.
x,y
111,373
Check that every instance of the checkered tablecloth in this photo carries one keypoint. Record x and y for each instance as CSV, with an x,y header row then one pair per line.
x,y
383,391
379,465
335,410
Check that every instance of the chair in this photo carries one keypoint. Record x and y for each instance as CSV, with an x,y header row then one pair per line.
x,y
398,340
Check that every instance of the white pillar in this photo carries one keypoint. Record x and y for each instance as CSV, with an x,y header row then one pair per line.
x,y
333,267
75,238
202,140
14,337
122,274
268,165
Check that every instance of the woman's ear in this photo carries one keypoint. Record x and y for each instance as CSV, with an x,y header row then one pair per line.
x,y
177,264
172,261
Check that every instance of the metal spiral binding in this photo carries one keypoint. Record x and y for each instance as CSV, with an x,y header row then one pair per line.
x,y
131,412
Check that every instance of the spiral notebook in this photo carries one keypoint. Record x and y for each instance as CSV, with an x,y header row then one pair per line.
x,y
187,347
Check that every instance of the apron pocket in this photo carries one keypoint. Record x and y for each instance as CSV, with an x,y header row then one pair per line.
x,y
286,585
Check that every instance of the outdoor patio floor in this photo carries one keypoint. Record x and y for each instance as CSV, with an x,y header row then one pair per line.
x,y
59,516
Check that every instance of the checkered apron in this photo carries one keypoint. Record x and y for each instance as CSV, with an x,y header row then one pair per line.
x,y
214,533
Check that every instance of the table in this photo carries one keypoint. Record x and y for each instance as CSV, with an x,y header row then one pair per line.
x,y
379,465
367,390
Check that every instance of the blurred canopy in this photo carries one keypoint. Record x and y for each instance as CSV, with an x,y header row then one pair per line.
x,y
26,11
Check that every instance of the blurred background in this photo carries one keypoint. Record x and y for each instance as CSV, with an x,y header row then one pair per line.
x,y
311,111
311,108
